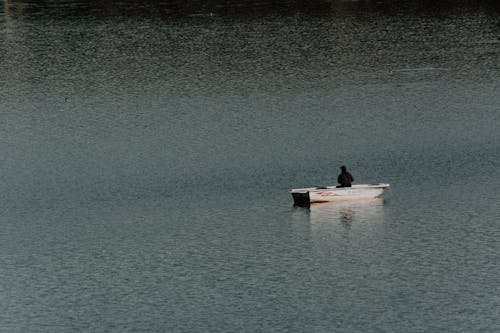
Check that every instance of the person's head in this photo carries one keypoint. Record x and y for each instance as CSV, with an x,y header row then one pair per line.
x,y
343,168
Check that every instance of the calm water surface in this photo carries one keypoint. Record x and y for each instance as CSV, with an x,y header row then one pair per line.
x,y
146,151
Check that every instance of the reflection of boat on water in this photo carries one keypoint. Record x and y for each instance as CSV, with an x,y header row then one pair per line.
x,y
347,229
306,196
347,212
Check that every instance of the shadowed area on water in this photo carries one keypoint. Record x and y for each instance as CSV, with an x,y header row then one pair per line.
x,y
241,8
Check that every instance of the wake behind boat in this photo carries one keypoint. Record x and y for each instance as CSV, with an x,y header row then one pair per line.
x,y
305,196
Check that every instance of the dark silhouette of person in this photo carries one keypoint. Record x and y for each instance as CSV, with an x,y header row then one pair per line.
x,y
345,178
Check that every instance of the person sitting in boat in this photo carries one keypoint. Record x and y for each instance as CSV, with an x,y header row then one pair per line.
x,y
345,178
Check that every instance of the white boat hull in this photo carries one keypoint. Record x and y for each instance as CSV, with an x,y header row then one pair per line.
x,y
307,196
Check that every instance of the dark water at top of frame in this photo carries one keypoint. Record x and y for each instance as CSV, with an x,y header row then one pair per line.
x,y
146,151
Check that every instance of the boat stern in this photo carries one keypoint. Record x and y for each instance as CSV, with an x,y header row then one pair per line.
x,y
301,198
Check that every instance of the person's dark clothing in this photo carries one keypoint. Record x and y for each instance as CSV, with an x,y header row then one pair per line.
x,y
345,179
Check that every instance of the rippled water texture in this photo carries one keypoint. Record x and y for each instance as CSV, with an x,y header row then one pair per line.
x,y
146,151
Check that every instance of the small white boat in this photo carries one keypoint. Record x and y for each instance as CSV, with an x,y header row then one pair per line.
x,y
306,196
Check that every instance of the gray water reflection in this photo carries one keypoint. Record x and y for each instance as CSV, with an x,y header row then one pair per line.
x,y
146,157
357,221
344,229
352,214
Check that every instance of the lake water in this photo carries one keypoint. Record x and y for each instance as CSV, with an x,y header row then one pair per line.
x,y
146,151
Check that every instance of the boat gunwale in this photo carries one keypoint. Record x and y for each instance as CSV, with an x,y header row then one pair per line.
x,y
334,188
